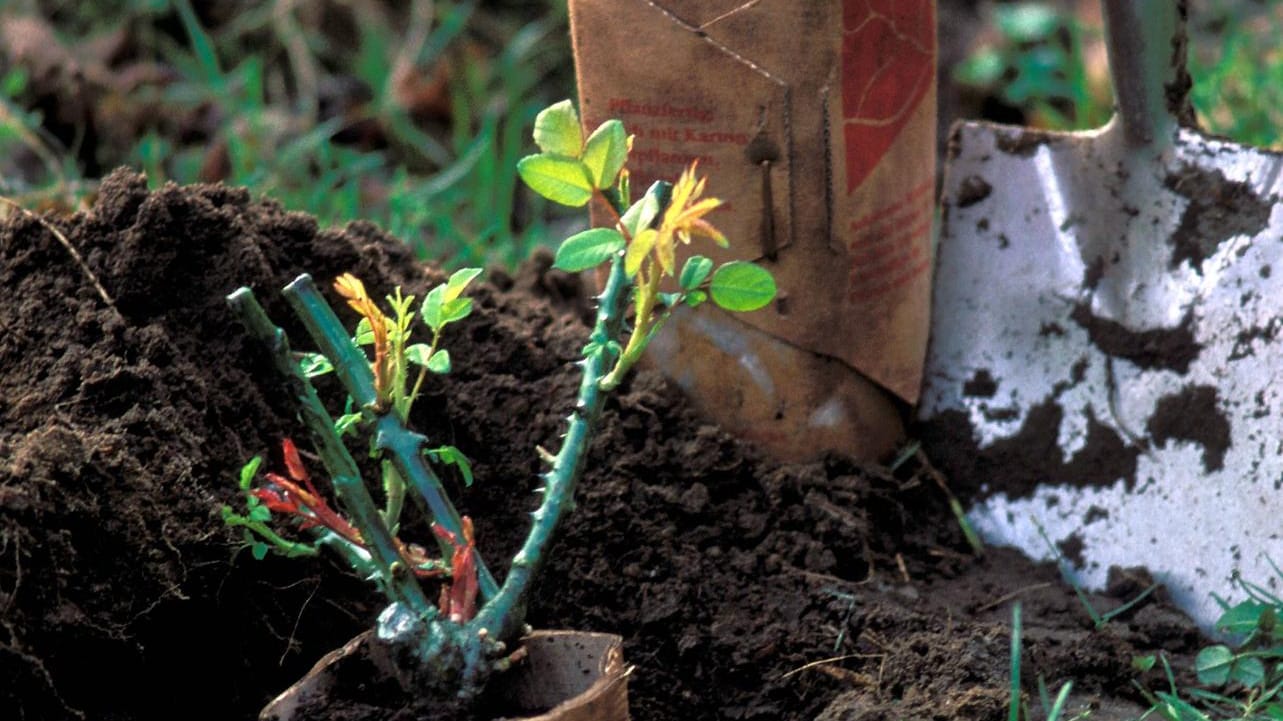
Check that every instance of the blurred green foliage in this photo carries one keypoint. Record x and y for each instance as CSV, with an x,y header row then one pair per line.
x,y
1036,60
409,115
1237,63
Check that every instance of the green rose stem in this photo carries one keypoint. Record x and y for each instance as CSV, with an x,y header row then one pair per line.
x,y
397,581
505,614
645,324
403,446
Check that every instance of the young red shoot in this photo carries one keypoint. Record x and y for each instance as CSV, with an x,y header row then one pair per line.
x,y
459,598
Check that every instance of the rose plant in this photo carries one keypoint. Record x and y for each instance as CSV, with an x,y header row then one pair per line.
x,y
473,630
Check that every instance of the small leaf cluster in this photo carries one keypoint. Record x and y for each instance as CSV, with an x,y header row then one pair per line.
x,y
257,535
571,169
391,336
1253,665
1257,624
1241,679
443,305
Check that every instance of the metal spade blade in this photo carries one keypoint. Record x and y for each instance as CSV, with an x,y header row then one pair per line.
x,y
1106,334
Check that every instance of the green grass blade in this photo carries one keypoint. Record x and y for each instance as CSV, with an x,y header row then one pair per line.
x,y
1013,705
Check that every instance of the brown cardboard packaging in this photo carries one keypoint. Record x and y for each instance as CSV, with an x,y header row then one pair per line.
x,y
815,122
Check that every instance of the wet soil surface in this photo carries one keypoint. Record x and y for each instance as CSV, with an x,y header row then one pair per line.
x,y
744,589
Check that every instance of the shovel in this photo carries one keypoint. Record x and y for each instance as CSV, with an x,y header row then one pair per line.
x,y
1106,334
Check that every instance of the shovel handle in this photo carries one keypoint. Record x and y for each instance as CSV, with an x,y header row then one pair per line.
x,y
1146,42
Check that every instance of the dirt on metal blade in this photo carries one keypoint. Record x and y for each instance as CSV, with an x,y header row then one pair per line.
x,y
1105,322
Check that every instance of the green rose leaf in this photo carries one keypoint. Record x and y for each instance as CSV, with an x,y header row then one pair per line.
x,y
588,249
418,354
258,549
431,310
561,180
1213,665
260,513
439,363
606,152
451,456
694,272
557,130
438,312
456,309
696,297
458,281
364,332
346,422
314,364
443,304
742,286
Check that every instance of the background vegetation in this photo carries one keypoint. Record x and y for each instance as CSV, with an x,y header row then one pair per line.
x,y
411,114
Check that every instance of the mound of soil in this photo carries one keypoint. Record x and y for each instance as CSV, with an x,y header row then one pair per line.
x,y
744,589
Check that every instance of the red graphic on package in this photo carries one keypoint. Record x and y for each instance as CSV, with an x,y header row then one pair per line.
x,y
888,62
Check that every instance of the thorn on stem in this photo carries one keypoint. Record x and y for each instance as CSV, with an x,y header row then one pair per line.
x,y
546,456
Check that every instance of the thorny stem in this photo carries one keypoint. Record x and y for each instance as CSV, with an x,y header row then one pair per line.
x,y
341,467
403,446
505,613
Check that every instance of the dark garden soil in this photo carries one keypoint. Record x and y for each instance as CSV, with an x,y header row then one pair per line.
x,y
734,581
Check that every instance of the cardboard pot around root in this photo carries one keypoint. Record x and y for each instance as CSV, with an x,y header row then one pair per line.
x,y
566,676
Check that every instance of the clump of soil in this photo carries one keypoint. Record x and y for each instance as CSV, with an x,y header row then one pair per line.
x,y
730,577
